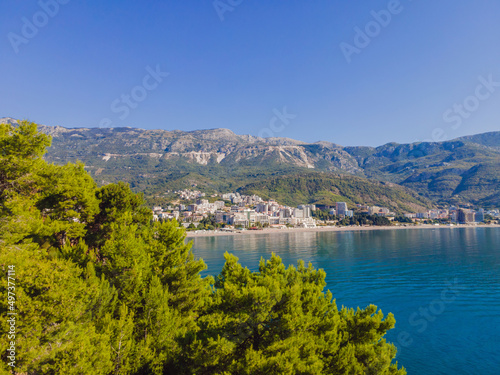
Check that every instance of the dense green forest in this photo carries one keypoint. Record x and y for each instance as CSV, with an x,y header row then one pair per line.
x,y
102,289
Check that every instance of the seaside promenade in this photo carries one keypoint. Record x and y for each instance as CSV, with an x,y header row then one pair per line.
x,y
212,233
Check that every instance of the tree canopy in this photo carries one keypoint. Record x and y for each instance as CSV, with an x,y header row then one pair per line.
x,y
103,289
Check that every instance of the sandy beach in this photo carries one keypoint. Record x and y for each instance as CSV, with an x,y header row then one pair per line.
x,y
202,233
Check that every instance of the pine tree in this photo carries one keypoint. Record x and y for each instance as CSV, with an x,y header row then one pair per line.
x,y
102,289
279,321
54,330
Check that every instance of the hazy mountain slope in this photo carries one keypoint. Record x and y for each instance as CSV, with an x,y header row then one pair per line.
x,y
218,159
491,139
435,170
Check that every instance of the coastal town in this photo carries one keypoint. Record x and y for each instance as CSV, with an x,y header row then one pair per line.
x,y
234,211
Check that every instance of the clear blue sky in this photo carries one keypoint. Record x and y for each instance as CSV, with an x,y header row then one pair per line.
x,y
263,56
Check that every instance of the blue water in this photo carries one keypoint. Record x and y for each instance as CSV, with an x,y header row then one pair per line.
x,y
442,285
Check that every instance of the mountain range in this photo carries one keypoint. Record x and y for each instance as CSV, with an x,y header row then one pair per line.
x,y
464,171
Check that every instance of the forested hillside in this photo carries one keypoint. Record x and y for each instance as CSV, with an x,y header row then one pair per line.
x,y
325,189
102,289
153,161
440,171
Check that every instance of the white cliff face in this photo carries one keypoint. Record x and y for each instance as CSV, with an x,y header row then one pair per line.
x,y
200,147
220,157
201,158
295,155
198,157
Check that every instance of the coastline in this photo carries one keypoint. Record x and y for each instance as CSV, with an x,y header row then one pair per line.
x,y
195,234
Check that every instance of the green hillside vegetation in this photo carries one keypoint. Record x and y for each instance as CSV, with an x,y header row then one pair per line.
x,y
436,170
478,183
325,189
217,160
283,184
102,289
490,139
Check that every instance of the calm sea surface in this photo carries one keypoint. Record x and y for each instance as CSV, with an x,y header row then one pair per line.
x,y
442,285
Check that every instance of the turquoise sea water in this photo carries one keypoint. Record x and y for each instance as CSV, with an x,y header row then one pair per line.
x,y
442,285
